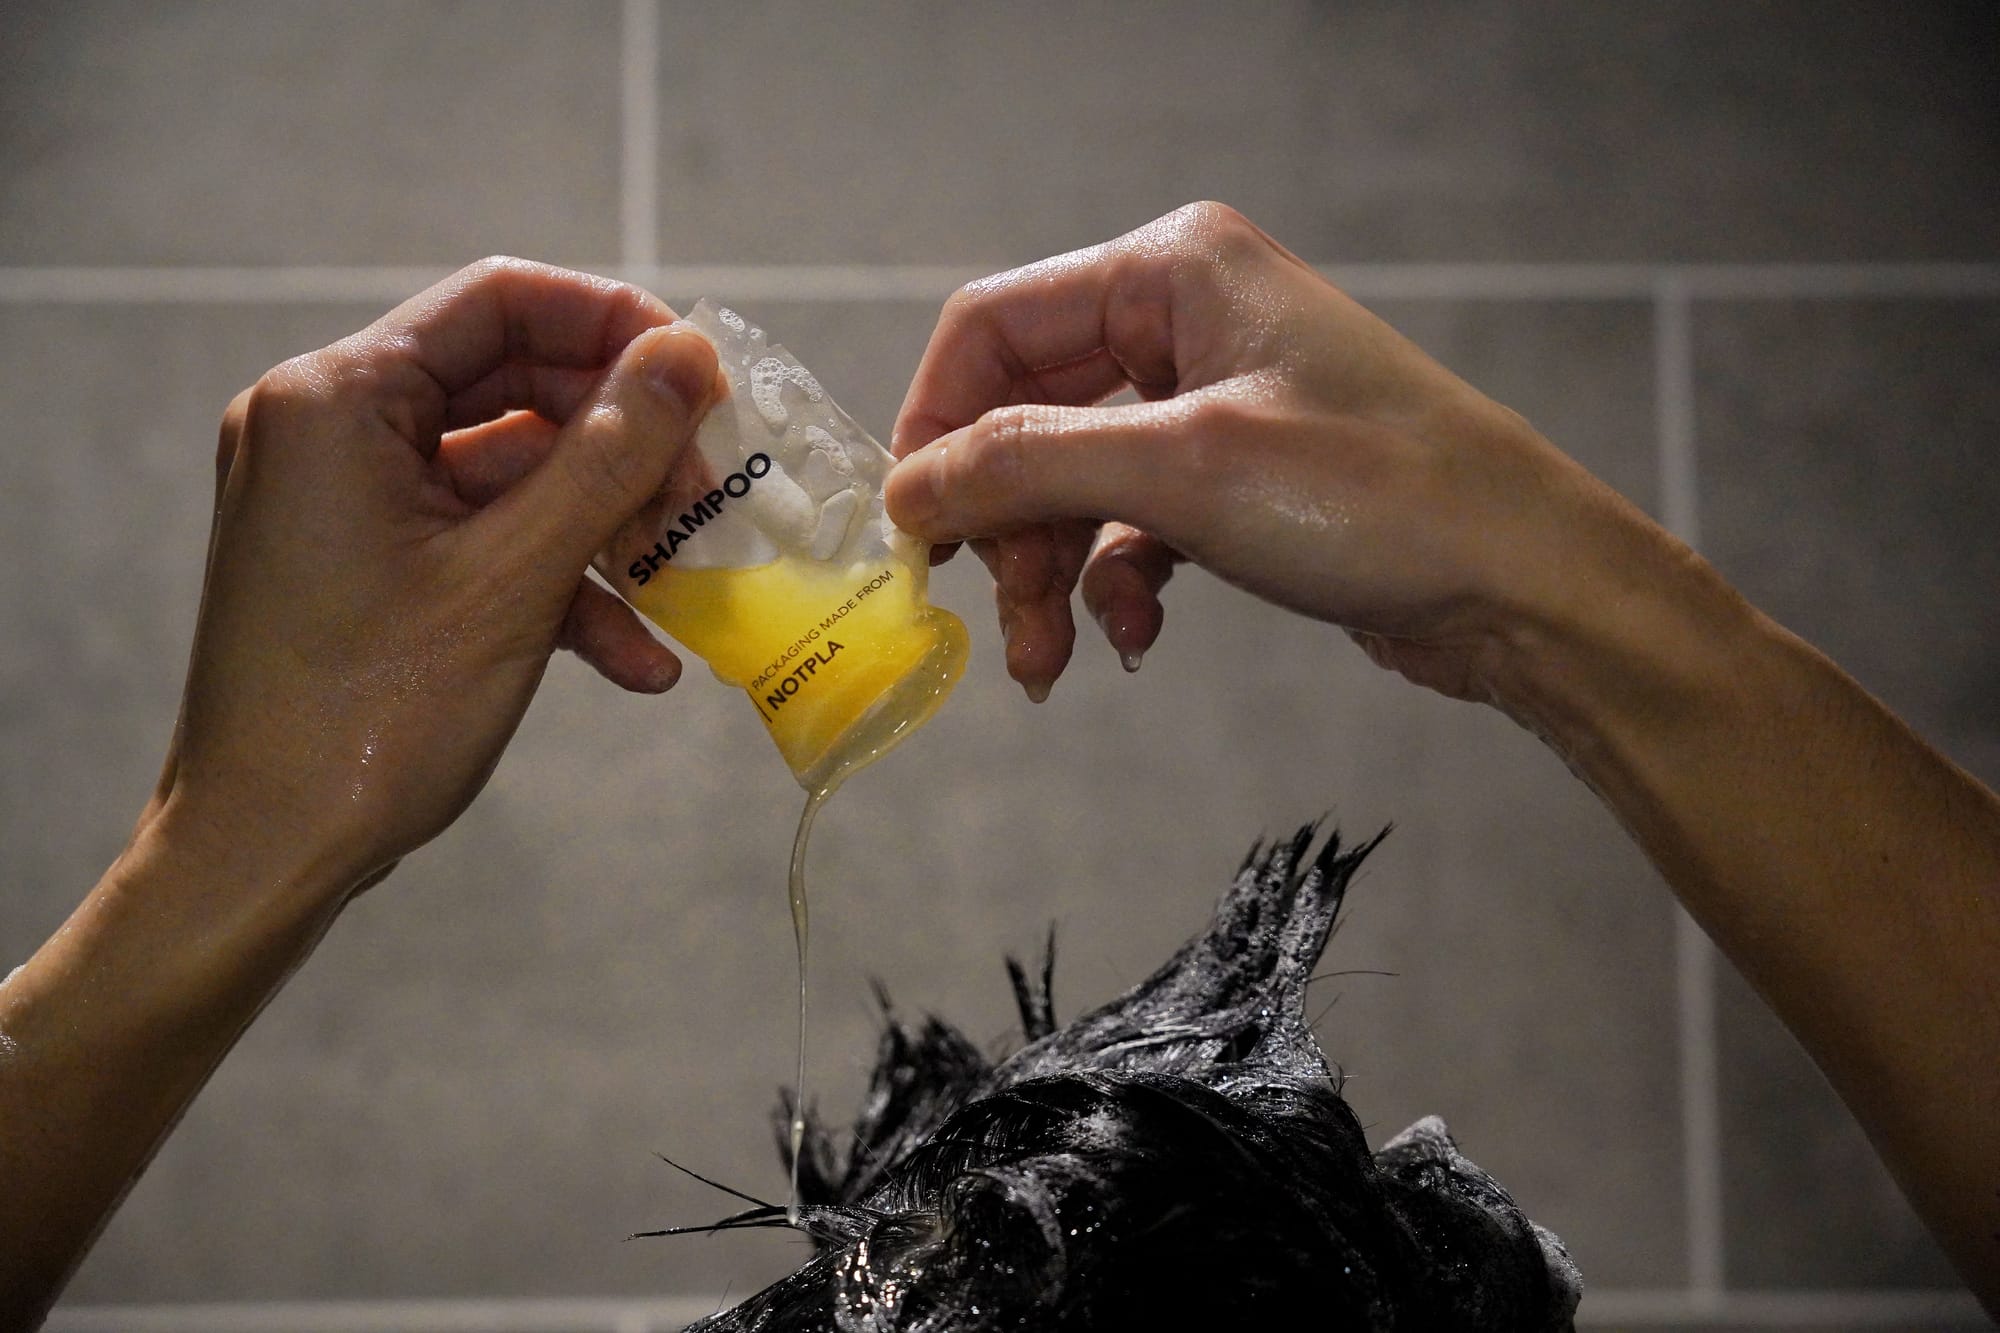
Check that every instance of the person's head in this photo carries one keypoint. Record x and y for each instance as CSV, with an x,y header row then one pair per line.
x,y
1179,1158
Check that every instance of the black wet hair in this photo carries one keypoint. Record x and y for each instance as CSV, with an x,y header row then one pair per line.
x,y
1180,1158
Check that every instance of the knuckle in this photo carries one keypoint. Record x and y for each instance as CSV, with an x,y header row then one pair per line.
x,y
1121,572
1511,426
494,267
263,416
968,295
1212,216
1220,418
1212,449
286,389
371,374
1217,236
367,366
979,301
998,458
966,308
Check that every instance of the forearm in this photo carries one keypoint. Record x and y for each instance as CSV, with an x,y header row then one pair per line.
x,y
1849,871
115,1024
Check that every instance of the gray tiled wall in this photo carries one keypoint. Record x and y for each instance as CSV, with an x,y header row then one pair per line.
x,y
461,1095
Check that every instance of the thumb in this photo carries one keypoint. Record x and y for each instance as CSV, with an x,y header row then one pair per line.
x,y
1030,463
614,452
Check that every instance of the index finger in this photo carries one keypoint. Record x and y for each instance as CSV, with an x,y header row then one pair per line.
x,y
1069,330
510,312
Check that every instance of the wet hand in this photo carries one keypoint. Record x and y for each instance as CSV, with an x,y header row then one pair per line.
x,y
402,525
1287,440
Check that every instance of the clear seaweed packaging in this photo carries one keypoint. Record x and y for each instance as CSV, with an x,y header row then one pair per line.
x,y
768,554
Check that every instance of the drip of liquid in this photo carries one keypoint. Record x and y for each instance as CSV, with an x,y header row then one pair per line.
x,y
903,708
842,662
801,933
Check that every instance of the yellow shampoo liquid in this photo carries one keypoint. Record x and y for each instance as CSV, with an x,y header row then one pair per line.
x,y
769,555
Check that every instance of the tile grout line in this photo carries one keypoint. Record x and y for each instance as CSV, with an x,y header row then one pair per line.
x,y
639,116
195,284
1555,281
1694,955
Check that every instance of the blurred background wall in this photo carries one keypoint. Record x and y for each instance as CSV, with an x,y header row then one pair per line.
x,y
1738,258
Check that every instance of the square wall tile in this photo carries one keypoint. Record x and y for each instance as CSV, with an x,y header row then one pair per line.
x,y
1847,488
1411,131
237,132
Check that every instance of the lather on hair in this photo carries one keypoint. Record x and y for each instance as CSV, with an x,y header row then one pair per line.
x,y
1180,1158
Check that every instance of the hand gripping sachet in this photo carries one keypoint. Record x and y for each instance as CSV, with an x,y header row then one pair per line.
x,y
768,553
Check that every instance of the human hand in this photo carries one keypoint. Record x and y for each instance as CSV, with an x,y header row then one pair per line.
x,y
1301,449
1290,442
402,524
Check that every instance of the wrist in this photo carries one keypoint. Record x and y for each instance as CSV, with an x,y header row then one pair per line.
x,y
1635,645
236,880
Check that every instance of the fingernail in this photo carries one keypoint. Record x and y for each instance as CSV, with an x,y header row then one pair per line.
x,y
911,494
664,677
930,495
683,372
1036,690
1130,661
